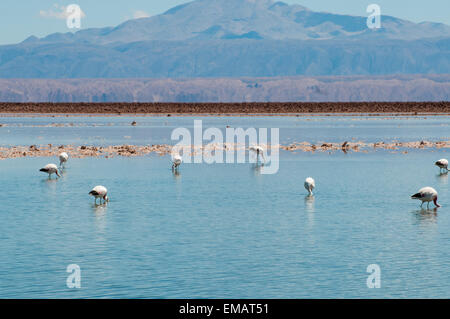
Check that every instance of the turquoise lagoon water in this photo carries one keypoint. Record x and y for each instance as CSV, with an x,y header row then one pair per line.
x,y
225,230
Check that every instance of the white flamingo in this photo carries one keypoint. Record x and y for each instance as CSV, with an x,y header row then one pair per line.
x,y
259,150
50,169
63,158
310,184
427,194
176,161
99,192
443,165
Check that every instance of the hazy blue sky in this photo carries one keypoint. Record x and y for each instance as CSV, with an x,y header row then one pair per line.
x,y
22,18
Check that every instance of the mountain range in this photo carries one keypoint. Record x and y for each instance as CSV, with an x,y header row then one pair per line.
x,y
234,38
395,88
249,19
232,51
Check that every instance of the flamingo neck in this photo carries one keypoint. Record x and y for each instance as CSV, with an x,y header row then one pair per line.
x,y
435,202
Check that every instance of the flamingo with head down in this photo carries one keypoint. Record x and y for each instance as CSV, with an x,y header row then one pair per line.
x,y
63,158
50,169
427,195
259,150
310,184
100,192
176,161
443,165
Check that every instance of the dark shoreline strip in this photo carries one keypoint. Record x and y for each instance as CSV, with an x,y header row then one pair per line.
x,y
369,108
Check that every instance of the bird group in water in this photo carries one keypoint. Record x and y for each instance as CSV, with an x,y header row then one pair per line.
x,y
98,192
426,194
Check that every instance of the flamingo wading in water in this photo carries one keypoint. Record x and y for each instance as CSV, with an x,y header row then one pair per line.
x,y
442,164
259,150
310,184
176,161
63,158
99,192
427,194
50,169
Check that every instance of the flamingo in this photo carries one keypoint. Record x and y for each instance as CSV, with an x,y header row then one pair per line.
x,y
427,194
99,192
63,158
176,161
258,150
442,164
310,184
50,169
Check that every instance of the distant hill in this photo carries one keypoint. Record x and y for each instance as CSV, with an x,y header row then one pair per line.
x,y
278,89
249,19
234,38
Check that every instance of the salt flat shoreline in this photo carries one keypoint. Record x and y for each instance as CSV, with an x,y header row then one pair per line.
x,y
227,109
128,150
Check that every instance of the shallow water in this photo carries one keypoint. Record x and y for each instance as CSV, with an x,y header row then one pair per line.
x,y
157,130
225,230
